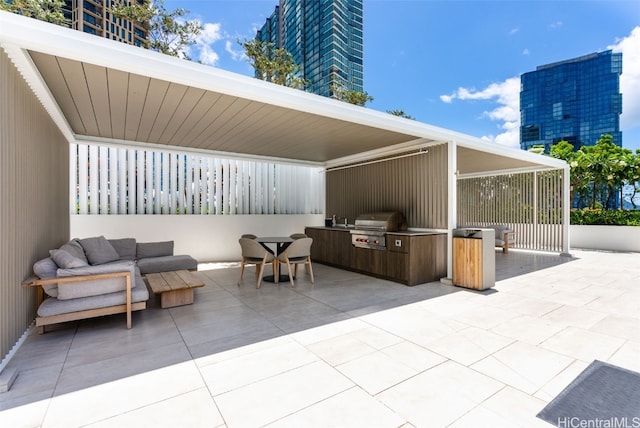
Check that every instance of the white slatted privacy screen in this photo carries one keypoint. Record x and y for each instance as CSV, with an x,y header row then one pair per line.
x,y
529,203
112,180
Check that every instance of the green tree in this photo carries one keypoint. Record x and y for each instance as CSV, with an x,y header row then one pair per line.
x,y
400,113
342,93
43,10
272,64
169,33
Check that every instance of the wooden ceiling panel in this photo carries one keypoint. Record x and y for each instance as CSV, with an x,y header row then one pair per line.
x,y
118,96
181,116
168,109
196,121
53,77
76,81
156,93
136,97
97,85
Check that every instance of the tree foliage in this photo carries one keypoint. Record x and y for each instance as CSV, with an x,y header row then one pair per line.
x,y
599,171
272,64
43,10
340,92
400,113
169,33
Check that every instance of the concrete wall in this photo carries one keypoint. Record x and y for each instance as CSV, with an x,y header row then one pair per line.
x,y
207,238
34,198
612,238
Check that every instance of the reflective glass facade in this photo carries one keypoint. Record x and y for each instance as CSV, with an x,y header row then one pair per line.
x,y
325,39
576,100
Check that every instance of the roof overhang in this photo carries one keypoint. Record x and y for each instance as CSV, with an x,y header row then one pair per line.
x,y
106,92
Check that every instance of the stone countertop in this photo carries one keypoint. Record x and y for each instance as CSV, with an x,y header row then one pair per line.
x,y
400,232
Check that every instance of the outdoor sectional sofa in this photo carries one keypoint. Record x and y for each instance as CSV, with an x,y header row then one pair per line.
x,y
95,276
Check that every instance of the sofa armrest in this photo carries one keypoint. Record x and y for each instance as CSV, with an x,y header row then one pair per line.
x,y
79,279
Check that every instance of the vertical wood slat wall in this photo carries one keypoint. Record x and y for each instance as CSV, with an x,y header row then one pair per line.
x,y
34,194
415,186
529,203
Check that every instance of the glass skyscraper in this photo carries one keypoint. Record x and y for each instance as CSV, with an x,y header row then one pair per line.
x,y
93,17
325,39
576,100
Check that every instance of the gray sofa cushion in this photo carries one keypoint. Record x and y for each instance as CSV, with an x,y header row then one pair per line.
x,y
125,247
166,264
45,269
99,250
76,290
154,249
53,306
66,260
74,248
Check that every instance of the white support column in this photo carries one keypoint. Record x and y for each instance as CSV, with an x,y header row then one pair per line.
x,y
452,203
566,208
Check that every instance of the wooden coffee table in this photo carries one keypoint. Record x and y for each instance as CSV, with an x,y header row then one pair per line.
x,y
175,288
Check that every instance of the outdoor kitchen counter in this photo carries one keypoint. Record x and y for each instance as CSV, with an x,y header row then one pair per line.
x,y
411,257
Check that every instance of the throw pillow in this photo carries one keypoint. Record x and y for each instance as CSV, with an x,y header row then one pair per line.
x,y
45,268
125,247
99,251
74,248
154,249
66,260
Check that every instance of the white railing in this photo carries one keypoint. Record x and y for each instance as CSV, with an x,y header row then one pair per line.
x,y
113,180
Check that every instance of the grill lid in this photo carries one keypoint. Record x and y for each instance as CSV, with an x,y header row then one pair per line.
x,y
390,221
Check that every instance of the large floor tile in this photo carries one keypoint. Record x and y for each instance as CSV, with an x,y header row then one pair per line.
x,y
413,356
194,409
518,408
96,403
578,343
523,366
528,329
271,399
243,370
352,408
469,345
439,396
376,372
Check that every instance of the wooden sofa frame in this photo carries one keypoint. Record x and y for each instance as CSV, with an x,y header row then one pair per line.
x,y
127,308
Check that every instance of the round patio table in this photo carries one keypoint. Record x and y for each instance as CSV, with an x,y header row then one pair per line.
x,y
282,242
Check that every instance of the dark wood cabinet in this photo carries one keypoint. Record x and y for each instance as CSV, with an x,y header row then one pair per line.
x,y
410,259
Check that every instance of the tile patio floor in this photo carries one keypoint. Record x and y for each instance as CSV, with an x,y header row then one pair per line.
x,y
349,351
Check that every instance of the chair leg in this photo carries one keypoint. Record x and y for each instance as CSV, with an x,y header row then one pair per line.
x,y
289,270
241,272
307,264
264,262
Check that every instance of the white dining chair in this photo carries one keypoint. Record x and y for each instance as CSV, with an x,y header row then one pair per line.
x,y
253,253
298,252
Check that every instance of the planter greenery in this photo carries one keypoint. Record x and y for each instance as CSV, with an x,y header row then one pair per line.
x,y
598,216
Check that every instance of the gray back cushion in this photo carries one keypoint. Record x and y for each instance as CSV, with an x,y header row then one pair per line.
x,y
125,247
154,249
99,251
66,260
74,248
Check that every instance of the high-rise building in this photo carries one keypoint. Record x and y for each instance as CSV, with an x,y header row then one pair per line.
x,y
93,16
325,39
577,100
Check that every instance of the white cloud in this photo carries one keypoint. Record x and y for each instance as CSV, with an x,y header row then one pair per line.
x,y
526,52
507,95
236,55
211,33
514,31
630,79
555,25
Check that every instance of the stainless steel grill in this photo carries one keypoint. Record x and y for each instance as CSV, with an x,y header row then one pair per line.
x,y
369,229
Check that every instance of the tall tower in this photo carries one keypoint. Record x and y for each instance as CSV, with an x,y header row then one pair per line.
x,y
576,100
93,16
325,39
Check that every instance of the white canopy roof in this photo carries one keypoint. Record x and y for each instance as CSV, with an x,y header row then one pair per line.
x,y
98,90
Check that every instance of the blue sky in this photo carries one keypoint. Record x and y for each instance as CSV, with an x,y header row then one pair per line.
x,y
453,63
